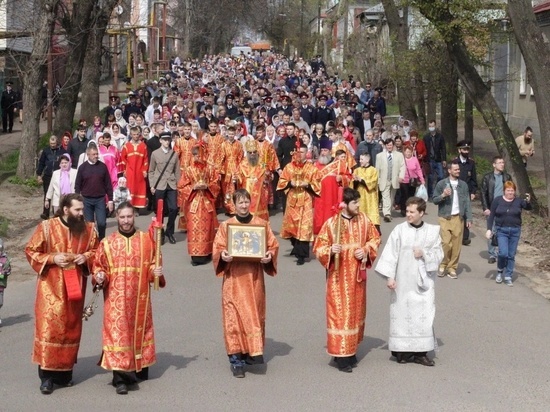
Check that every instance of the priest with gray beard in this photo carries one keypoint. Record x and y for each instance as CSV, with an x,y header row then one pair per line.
x,y
335,176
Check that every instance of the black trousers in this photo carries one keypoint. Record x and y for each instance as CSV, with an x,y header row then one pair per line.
x,y
45,185
406,191
129,378
170,197
300,248
7,119
58,377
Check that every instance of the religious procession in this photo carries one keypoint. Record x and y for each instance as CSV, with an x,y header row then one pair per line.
x,y
215,149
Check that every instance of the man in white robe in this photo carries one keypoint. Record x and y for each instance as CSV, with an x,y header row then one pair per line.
x,y
410,261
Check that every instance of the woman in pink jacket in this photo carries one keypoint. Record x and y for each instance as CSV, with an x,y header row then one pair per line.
x,y
413,177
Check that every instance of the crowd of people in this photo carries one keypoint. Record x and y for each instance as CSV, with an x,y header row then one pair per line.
x,y
252,137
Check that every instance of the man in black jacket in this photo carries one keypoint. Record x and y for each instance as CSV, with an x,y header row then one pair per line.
x,y
437,155
491,187
286,147
78,145
9,101
48,162
468,174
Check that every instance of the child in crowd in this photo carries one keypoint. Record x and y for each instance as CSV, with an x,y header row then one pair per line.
x,y
121,193
5,271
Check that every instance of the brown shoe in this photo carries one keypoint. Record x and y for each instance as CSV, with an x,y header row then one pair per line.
x,y
452,275
424,360
441,272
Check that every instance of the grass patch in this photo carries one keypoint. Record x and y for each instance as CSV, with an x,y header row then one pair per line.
x,y
31,182
4,223
9,163
536,183
483,166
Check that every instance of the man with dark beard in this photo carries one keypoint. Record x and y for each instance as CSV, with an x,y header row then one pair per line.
x,y
61,251
526,145
255,178
128,337
335,176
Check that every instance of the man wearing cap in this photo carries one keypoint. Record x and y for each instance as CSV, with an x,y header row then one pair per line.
x,y
9,101
164,174
271,111
376,105
208,116
468,174
323,114
355,115
113,106
131,107
306,110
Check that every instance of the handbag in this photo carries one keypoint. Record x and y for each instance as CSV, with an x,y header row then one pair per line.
x,y
494,240
413,181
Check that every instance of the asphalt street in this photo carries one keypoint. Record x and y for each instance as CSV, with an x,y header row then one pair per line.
x,y
493,345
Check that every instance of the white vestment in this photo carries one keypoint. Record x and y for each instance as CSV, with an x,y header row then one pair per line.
x,y
412,304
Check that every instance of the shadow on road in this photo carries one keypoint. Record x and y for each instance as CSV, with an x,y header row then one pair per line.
x,y
166,359
86,368
369,343
14,320
275,348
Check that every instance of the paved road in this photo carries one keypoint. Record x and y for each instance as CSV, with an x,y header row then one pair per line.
x,y
492,355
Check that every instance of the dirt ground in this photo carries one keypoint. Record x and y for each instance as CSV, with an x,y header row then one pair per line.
x,y
22,207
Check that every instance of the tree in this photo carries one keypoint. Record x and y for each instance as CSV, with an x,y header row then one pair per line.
x,y
32,81
399,37
452,20
91,71
536,53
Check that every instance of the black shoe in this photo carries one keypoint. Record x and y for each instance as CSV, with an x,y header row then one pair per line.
x,y
238,371
254,360
466,242
163,240
171,239
300,261
492,260
424,360
347,369
46,387
121,389
387,218
400,358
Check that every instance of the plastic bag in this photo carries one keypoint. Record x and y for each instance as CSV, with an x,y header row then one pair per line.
x,y
422,192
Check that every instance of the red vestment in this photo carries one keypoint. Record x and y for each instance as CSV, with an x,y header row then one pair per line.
x,y
58,324
298,217
135,161
346,299
128,337
200,211
324,204
256,181
243,292
232,155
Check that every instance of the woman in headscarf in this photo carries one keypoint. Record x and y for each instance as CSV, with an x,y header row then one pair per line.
x,y
110,156
62,182
120,121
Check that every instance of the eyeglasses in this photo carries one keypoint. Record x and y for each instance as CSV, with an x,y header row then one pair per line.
x,y
254,152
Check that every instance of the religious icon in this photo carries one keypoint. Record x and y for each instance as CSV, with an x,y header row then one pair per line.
x,y
246,242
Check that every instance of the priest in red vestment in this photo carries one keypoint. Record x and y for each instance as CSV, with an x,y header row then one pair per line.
x,y
134,160
334,175
125,268
256,179
355,249
61,252
243,289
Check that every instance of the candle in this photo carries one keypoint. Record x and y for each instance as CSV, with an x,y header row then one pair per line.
x,y
160,210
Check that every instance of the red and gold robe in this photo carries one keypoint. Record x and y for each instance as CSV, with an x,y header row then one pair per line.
x,y
128,337
58,324
268,157
350,160
255,179
324,205
200,211
232,155
346,300
183,148
298,217
243,293
134,160
215,150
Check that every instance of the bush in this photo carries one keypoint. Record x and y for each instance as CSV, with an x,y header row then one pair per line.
x,y
30,182
9,163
